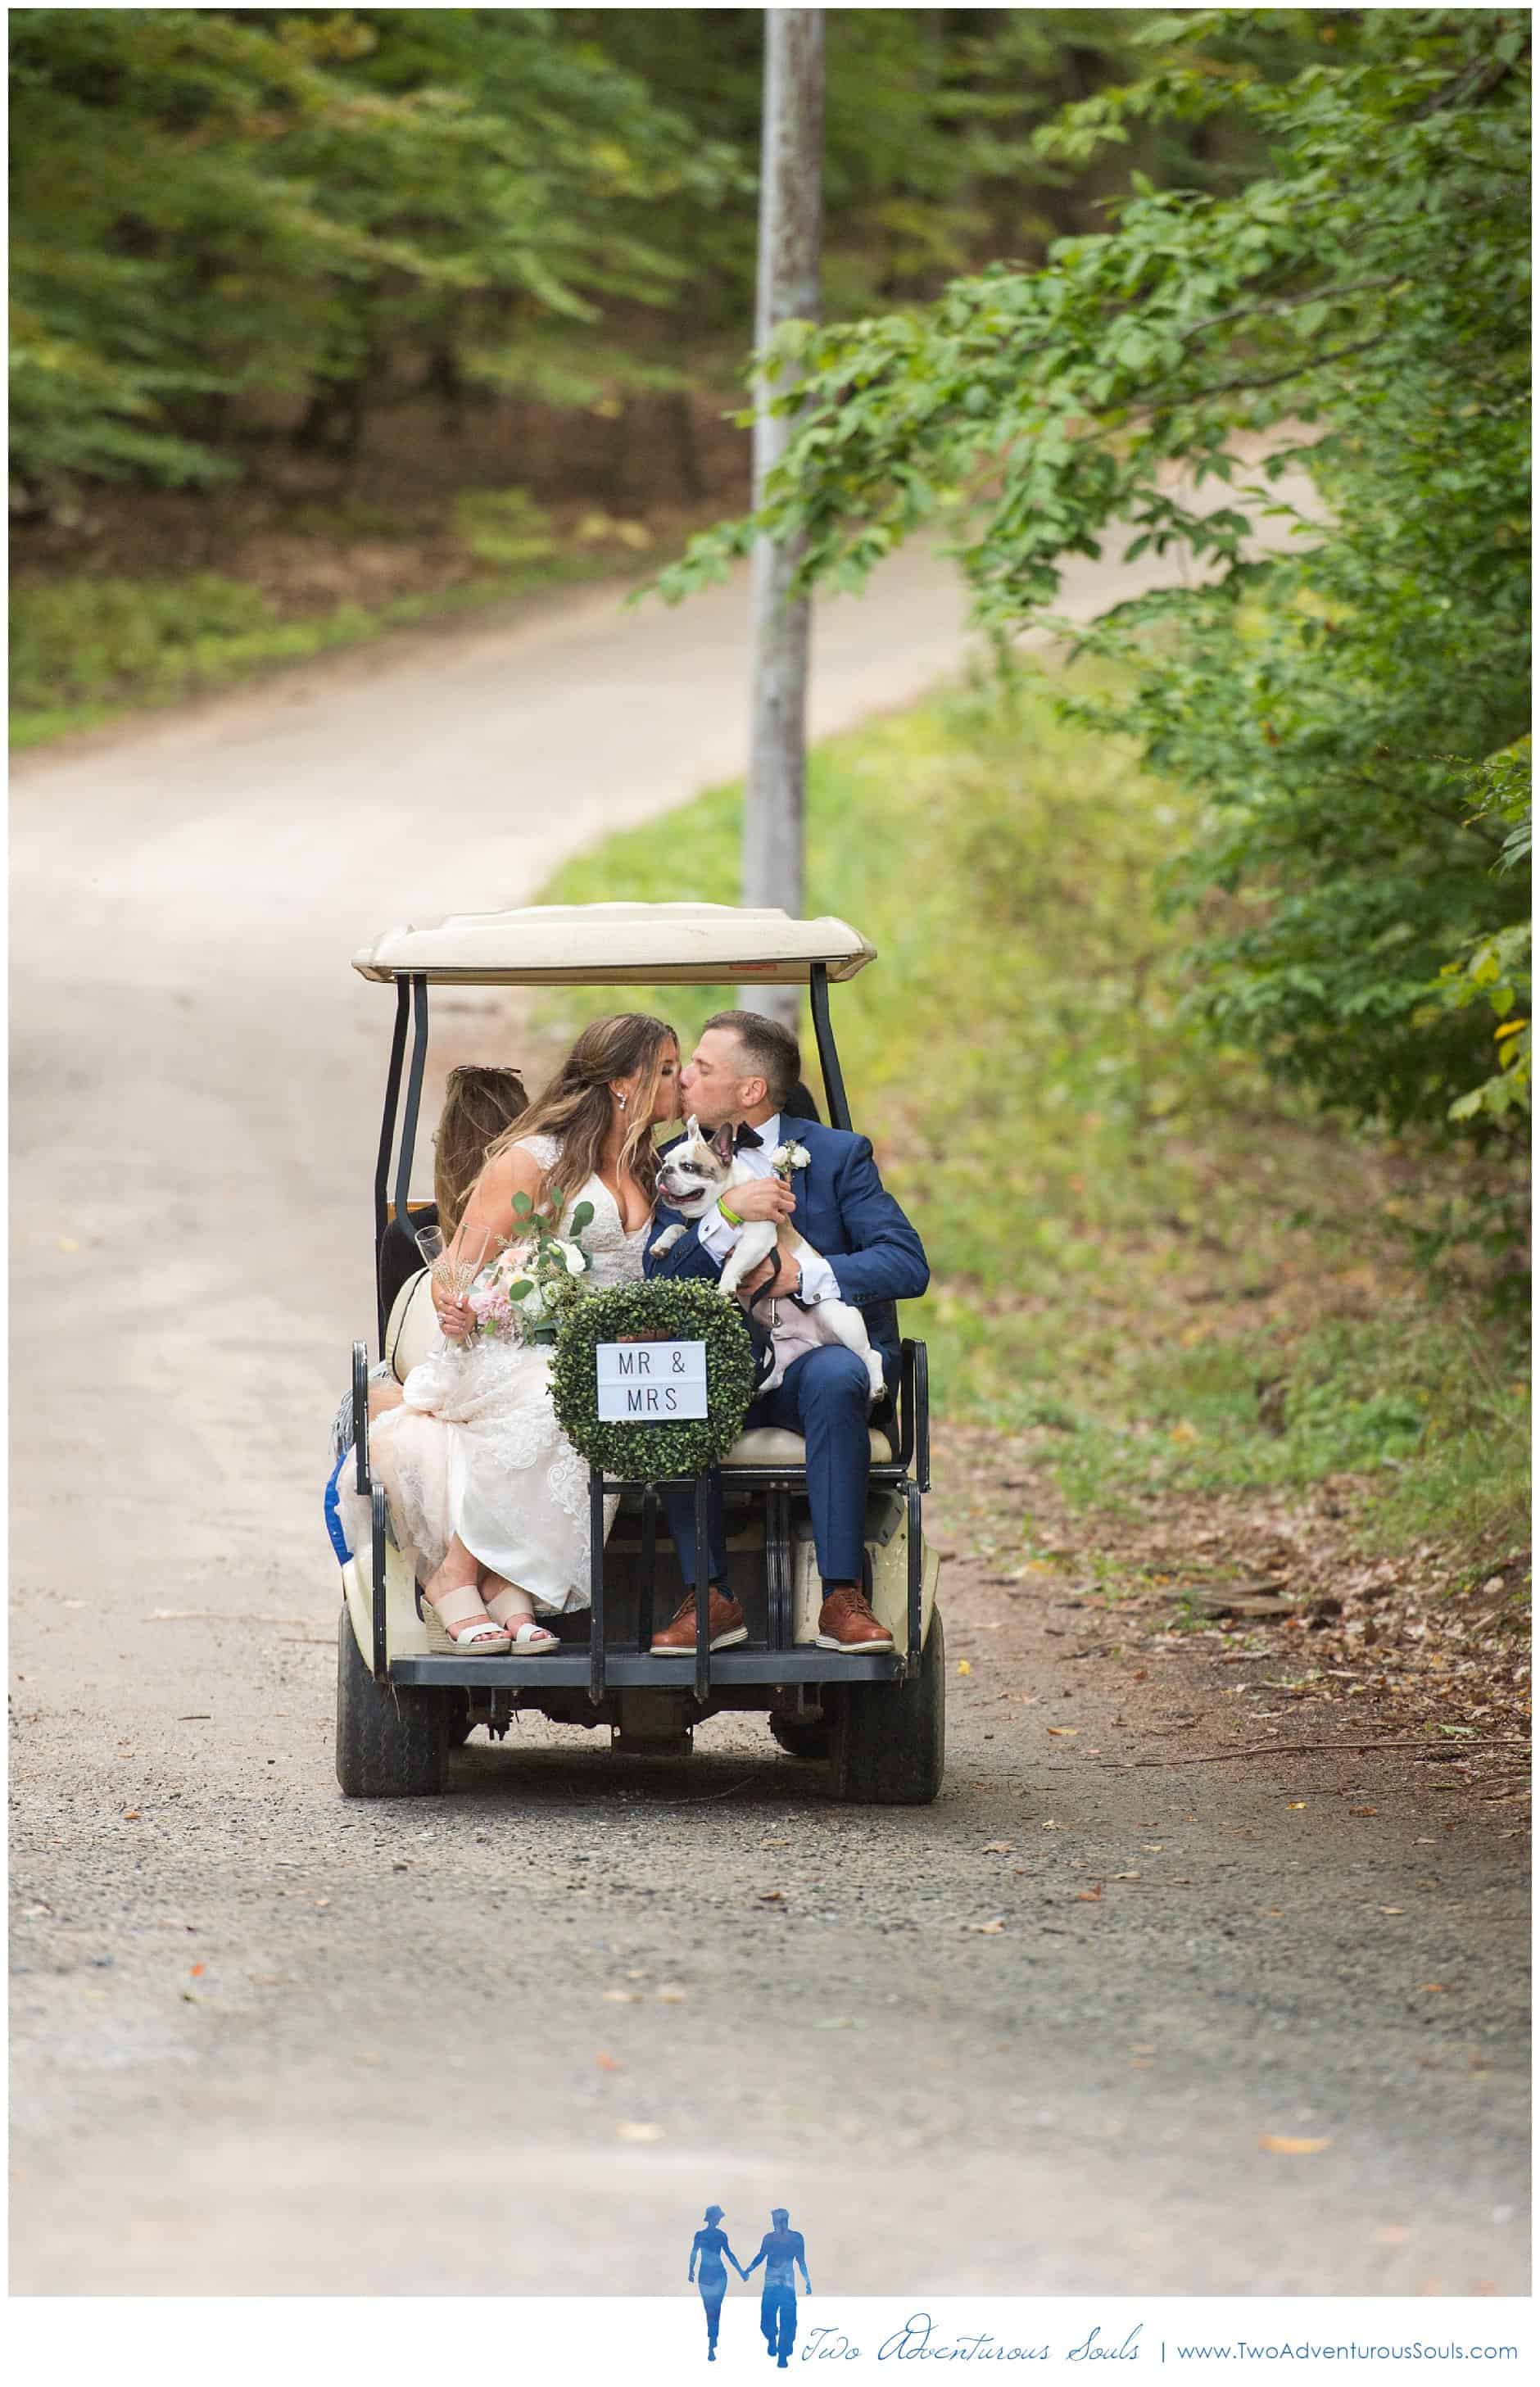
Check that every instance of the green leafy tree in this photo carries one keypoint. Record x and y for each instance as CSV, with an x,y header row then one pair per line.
x,y
1337,352
206,202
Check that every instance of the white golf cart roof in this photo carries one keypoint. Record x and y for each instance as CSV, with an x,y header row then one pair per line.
x,y
599,944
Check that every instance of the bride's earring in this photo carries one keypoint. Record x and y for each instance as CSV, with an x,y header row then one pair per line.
x,y
621,1100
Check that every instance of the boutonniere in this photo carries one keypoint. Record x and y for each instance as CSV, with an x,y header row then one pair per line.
x,y
788,1157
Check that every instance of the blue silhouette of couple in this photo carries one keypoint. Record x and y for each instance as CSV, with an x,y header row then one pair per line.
x,y
783,2255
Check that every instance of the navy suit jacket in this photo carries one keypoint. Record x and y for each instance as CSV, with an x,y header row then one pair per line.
x,y
845,1213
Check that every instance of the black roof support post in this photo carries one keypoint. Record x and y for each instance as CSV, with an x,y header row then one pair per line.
x,y
388,1135
828,1059
414,1099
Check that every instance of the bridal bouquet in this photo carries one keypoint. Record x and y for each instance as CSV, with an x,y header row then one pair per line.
x,y
521,1293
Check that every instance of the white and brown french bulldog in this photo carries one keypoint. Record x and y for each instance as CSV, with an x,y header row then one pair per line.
x,y
697,1172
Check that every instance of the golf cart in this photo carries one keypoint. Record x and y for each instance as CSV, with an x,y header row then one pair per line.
x,y
878,1719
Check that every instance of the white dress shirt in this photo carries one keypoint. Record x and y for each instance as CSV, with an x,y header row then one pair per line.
x,y
719,1236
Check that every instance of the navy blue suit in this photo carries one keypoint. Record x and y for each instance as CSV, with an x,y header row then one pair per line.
x,y
878,1259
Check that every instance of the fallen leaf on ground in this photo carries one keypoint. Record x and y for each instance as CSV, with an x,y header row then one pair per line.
x,y
1393,1910
623,1997
1273,2145
1293,1804
1436,1988
1089,1897
963,1666
1065,1731
774,1844
639,2134
671,1994
998,1848
131,1814
196,1969
772,1897
996,1923
608,2062
1363,1811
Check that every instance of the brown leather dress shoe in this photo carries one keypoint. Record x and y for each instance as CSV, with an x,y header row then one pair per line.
x,y
845,1621
725,1624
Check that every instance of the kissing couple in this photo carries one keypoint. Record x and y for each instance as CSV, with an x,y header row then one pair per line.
x,y
486,1495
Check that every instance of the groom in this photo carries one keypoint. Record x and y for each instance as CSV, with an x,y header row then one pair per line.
x,y
743,1070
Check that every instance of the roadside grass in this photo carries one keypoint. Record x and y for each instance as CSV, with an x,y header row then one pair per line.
x,y
86,648
1175,1278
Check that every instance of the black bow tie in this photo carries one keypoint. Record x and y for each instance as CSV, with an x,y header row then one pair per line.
x,y
747,1141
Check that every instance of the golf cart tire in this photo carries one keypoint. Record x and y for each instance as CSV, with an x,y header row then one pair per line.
x,y
806,1740
392,1740
888,1746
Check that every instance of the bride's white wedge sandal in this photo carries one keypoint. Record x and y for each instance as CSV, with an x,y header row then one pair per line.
x,y
482,1636
531,1639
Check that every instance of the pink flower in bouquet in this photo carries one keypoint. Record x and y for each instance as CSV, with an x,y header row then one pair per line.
x,y
490,1308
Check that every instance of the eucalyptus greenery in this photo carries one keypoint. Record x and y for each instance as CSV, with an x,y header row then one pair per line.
x,y
673,1312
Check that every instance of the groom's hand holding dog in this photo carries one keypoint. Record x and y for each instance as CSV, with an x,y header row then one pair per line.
x,y
767,1198
858,1255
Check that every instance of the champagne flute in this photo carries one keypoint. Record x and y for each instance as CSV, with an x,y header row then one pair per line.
x,y
453,1277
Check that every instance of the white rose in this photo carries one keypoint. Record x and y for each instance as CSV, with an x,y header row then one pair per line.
x,y
576,1258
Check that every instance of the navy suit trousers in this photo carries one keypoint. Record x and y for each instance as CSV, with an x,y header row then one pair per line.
x,y
826,1398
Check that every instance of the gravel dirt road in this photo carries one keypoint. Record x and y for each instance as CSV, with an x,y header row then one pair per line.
x,y
260,2036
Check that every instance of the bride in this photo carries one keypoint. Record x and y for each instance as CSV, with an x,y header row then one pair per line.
x,y
485,1490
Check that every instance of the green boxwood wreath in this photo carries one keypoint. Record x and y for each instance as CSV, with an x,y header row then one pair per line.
x,y
683,1313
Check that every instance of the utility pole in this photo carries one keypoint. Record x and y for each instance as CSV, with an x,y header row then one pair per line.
x,y
789,222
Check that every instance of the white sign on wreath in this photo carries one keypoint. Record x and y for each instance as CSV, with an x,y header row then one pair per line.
x,y
651,1383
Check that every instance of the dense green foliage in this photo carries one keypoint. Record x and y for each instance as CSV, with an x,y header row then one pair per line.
x,y
217,208
1335,355
1136,1243
207,202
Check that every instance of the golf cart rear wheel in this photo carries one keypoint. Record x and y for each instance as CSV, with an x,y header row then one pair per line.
x,y
888,1745
392,1740
809,1740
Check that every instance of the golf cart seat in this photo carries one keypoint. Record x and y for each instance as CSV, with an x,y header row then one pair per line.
x,y
775,1446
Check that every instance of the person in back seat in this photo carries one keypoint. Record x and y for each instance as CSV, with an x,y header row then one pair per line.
x,y
479,1105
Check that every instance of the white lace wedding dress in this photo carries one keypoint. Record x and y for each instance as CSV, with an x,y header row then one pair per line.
x,y
474,1449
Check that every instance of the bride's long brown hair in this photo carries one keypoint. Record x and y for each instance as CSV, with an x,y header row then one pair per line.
x,y
578,1109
